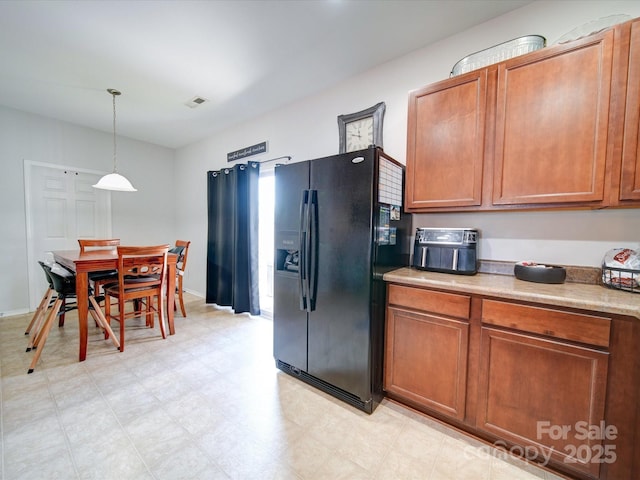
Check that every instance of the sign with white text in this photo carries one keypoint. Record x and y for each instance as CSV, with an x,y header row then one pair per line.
x,y
247,151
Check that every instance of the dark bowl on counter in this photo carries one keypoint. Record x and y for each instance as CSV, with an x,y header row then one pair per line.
x,y
532,272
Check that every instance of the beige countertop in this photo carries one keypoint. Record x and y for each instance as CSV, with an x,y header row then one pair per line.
x,y
574,295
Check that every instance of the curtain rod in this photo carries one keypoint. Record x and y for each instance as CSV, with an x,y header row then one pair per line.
x,y
271,160
226,170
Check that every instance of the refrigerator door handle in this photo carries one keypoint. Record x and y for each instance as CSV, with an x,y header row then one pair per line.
x,y
312,251
302,258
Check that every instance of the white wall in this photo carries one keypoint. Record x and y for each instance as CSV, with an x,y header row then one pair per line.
x,y
308,129
147,216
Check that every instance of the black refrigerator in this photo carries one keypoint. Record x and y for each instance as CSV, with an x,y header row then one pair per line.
x,y
339,226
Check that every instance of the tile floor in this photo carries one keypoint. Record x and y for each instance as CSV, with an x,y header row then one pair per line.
x,y
207,403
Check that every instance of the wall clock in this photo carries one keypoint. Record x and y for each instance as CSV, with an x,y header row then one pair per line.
x,y
361,129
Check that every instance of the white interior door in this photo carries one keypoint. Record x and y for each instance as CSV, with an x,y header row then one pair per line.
x,y
61,207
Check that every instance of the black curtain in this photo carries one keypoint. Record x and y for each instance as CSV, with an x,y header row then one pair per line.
x,y
232,246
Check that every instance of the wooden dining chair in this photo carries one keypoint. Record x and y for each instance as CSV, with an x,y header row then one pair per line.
x,y
142,278
182,250
99,279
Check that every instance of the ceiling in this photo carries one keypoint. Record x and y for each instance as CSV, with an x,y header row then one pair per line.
x,y
245,57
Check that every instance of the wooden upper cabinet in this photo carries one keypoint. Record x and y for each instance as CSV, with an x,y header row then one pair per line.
x,y
555,128
551,124
630,172
445,143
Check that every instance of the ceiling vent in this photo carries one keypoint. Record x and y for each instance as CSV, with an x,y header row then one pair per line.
x,y
195,102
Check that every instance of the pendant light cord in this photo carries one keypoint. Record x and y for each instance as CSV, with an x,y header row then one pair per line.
x,y
114,93
115,158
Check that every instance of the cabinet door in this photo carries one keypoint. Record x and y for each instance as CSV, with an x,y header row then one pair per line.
x,y
426,360
445,143
630,178
552,125
530,389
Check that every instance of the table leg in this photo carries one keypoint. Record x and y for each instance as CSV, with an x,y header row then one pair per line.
x,y
171,297
82,297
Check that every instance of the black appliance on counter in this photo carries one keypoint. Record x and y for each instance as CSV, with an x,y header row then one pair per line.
x,y
339,227
447,250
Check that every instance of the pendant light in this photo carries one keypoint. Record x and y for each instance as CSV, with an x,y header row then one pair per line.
x,y
114,181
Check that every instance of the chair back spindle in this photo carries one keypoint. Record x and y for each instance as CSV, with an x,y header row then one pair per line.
x,y
182,250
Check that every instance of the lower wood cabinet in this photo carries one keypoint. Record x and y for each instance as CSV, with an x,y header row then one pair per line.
x,y
559,386
544,394
543,381
427,360
426,350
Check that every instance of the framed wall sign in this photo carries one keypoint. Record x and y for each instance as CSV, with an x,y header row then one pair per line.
x,y
247,151
360,129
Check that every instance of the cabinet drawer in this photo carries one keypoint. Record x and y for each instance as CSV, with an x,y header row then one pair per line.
x,y
449,304
577,327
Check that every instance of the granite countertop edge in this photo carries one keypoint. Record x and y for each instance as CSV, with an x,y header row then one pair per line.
x,y
574,295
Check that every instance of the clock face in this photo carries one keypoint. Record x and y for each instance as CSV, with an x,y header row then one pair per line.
x,y
359,134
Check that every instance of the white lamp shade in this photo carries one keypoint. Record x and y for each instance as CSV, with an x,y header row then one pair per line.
x,y
115,181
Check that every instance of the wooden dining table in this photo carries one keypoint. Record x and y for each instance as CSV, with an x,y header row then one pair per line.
x,y
82,263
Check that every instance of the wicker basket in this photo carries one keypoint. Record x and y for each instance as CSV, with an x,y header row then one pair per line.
x,y
621,278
